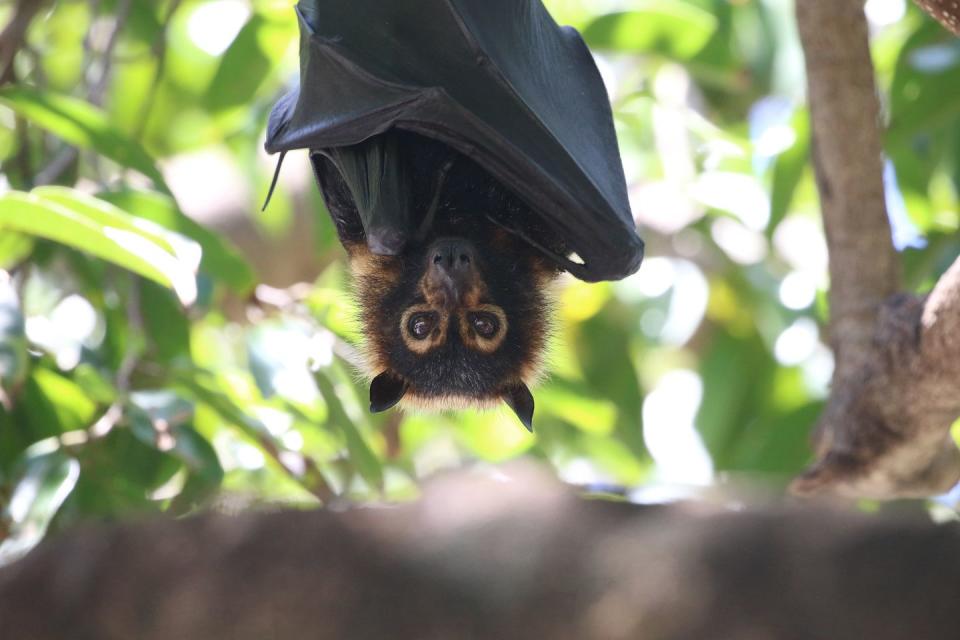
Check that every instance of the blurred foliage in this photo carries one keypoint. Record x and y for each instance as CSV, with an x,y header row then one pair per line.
x,y
125,387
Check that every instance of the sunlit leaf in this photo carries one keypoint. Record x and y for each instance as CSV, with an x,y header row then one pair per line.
x,y
579,409
45,481
494,435
616,459
109,215
44,218
53,404
219,259
94,384
14,247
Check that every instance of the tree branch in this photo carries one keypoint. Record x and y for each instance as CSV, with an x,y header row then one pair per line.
x,y
885,432
845,112
889,429
507,558
941,322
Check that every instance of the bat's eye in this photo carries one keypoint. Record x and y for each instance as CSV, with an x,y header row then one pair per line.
x,y
486,325
421,324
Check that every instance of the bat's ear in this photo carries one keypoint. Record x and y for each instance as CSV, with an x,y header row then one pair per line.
x,y
519,398
386,390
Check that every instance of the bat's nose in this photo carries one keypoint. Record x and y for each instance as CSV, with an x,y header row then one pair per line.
x,y
453,256
453,266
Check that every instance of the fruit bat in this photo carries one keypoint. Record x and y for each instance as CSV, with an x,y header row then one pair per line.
x,y
466,153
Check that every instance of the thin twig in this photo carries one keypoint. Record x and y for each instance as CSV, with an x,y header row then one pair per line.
x,y
14,37
310,477
56,167
114,413
95,91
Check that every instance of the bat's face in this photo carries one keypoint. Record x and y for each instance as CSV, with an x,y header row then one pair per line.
x,y
459,320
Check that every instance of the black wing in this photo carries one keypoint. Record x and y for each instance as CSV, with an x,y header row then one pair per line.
x,y
497,80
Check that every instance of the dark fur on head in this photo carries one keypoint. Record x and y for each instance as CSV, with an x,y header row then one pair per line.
x,y
501,283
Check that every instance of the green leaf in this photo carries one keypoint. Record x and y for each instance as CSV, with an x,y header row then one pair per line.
x,y
93,383
118,475
74,227
14,247
243,68
615,458
366,461
45,481
179,440
109,215
197,454
14,359
573,404
925,93
82,124
779,442
166,326
737,375
52,404
143,22
668,27
788,169
220,260
201,386
609,372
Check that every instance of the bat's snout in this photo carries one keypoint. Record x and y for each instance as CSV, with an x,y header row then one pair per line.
x,y
452,267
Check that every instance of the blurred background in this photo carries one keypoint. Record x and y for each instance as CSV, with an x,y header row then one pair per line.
x,y
166,345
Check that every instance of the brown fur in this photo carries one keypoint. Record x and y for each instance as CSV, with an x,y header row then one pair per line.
x,y
376,276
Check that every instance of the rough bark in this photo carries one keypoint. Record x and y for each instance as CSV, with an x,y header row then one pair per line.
x,y
845,114
946,12
482,558
885,431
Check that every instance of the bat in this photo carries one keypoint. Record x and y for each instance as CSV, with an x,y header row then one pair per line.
x,y
466,153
